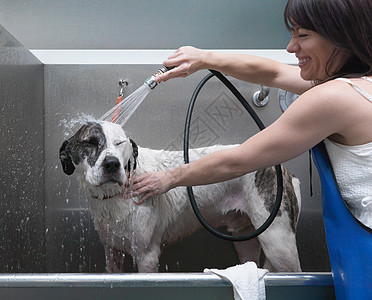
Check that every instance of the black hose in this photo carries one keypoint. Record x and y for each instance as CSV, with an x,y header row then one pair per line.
x,y
261,126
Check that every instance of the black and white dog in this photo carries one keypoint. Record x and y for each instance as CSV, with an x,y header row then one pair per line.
x,y
106,158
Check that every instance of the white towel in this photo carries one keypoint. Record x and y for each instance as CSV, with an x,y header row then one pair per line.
x,y
247,280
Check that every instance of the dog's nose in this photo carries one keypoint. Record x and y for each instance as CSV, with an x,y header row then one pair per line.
x,y
111,164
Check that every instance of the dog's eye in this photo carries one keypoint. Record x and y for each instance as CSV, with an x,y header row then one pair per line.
x,y
119,143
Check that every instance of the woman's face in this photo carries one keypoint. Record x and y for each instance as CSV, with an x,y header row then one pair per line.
x,y
313,53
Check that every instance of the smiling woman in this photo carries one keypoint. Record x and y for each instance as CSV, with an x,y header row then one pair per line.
x,y
343,24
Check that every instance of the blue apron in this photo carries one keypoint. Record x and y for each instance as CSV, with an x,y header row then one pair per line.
x,y
349,242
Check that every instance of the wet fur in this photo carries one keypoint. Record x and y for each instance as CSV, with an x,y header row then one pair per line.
x,y
140,230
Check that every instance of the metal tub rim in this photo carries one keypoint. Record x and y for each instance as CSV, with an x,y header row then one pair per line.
x,y
153,280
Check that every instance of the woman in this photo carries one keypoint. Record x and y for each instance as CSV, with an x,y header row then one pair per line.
x,y
332,39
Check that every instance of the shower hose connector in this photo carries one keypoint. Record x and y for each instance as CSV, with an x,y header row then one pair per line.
x,y
261,98
150,82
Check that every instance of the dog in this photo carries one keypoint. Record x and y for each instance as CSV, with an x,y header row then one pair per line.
x,y
106,160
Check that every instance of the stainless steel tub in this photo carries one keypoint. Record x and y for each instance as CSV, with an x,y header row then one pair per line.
x,y
157,286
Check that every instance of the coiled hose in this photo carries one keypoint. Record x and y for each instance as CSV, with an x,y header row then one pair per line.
x,y
261,126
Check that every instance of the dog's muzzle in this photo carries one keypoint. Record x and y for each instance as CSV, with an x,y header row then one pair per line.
x,y
111,170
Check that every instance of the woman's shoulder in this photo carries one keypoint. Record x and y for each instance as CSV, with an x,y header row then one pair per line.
x,y
331,98
331,90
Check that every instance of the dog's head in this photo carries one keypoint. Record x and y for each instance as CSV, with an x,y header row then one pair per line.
x,y
102,151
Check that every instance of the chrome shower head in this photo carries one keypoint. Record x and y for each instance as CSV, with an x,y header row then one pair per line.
x,y
150,82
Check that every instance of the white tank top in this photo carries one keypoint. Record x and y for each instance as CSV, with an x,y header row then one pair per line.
x,y
352,166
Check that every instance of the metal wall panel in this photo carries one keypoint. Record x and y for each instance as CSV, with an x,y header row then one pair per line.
x,y
22,247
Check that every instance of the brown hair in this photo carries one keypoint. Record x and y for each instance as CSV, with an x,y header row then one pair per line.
x,y
347,24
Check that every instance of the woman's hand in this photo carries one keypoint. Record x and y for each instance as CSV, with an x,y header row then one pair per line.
x,y
186,60
148,185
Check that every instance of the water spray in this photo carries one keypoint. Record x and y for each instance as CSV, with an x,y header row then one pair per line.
x,y
125,108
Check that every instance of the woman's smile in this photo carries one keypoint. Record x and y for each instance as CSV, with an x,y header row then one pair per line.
x,y
302,61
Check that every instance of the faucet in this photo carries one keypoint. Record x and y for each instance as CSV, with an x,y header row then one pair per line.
x,y
261,98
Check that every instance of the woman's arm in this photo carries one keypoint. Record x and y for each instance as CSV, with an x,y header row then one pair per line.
x,y
254,69
304,124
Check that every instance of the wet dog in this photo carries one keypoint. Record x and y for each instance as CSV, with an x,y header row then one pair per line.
x,y
106,159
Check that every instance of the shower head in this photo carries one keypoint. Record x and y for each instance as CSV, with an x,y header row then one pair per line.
x,y
150,82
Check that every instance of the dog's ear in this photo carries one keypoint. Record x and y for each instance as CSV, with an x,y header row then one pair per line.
x,y
66,160
135,149
135,153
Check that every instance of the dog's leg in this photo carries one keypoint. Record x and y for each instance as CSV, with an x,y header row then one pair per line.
x,y
109,258
267,265
148,261
116,260
248,250
280,249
